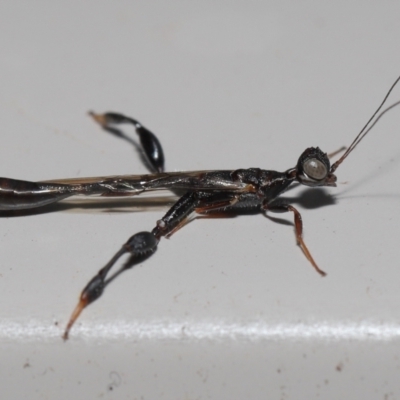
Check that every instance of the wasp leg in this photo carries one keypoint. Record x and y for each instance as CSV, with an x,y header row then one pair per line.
x,y
151,146
143,244
336,152
298,224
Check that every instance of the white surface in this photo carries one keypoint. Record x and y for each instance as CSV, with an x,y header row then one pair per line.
x,y
227,308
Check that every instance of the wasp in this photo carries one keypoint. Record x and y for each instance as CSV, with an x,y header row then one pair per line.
x,y
202,192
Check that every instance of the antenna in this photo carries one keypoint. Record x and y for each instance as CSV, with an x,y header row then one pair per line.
x,y
363,131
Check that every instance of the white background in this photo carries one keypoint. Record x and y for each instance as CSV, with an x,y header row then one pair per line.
x,y
227,308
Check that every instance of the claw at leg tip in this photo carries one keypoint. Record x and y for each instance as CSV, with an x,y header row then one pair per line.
x,y
99,118
75,314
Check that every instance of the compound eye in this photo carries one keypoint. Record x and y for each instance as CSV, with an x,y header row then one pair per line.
x,y
315,169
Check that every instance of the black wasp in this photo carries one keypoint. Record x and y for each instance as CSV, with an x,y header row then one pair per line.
x,y
203,192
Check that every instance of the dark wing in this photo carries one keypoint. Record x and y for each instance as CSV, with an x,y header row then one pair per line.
x,y
136,184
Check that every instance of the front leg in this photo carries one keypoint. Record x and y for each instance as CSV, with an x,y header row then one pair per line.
x,y
298,224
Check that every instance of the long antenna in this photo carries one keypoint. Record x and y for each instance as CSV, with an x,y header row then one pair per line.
x,y
363,131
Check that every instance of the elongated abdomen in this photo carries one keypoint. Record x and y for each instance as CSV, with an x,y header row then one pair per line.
x,y
19,195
